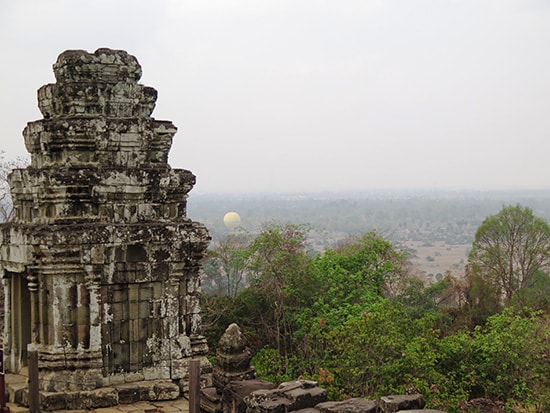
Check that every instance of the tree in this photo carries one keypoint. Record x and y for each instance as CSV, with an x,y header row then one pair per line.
x,y
509,248
354,275
420,300
279,261
536,295
483,299
6,166
345,283
227,263
506,360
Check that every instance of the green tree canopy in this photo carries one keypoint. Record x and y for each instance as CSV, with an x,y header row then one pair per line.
x,y
227,263
278,264
348,279
509,248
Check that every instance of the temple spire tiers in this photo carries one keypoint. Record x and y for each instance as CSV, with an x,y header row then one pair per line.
x,y
102,261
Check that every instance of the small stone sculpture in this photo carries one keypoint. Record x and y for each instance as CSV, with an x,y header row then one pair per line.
x,y
232,359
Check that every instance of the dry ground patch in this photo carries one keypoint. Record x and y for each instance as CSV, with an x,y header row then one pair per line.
x,y
438,257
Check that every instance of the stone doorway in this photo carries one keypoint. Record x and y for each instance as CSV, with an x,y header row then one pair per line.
x,y
21,323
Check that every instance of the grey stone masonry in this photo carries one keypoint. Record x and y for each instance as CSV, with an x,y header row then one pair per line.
x,y
286,397
101,263
353,405
232,359
394,403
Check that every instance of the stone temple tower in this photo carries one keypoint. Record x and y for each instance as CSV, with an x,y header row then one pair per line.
x,y
101,264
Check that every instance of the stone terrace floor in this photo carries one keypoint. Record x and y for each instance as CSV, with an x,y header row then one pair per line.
x,y
181,405
170,406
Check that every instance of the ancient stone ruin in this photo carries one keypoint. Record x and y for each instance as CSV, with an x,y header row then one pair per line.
x,y
236,390
101,263
233,358
233,377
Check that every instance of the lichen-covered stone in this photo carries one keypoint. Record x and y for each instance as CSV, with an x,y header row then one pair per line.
x,y
291,396
431,411
391,404
233,395
101,263
232,358
353,405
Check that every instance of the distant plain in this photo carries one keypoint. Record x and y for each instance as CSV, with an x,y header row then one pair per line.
x,y
437,227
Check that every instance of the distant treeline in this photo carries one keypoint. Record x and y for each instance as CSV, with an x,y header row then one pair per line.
x,y
407,215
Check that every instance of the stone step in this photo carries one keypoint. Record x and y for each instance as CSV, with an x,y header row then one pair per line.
x,y
16,384
129,394
15,408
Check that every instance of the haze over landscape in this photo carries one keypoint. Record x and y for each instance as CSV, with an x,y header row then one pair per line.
x,y
371,212
308,95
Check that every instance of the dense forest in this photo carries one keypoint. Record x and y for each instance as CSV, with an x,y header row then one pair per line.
x,y
354,314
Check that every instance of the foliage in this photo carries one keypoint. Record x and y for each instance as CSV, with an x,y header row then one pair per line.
x,y
370,349
218,312
419,300
6,166
278,265
227,262
343,283
384,351
510,248
351,277
353,319
536,294
505,360
483,299
269,366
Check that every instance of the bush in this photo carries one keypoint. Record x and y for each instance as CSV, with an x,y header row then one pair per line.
x,y
270,366
506,360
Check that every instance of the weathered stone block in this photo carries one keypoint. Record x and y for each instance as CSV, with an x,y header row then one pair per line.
x,y
234,393
265,401
104,397
425,411
303,393
165,390
391,404
128,393
52,401
233,355
210,400
287,397
354,405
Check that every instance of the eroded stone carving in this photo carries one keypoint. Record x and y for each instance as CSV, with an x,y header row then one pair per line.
x,y
232,359
233,376
291,396
101,262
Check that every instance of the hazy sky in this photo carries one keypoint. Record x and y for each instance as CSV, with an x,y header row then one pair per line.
x,y
310,95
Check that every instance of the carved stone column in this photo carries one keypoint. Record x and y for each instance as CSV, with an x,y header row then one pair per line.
x,y
33,286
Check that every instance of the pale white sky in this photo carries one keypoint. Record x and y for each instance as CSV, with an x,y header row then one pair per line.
x,y
313,95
